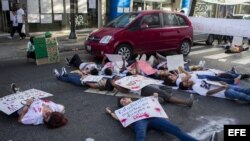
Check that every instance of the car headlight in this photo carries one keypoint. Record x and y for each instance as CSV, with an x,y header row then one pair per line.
x,y
105,39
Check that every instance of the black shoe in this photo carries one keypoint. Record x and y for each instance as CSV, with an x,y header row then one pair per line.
x,y
14,88
67,60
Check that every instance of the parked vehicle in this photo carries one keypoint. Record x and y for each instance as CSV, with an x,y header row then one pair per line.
x,y
142,32
202,37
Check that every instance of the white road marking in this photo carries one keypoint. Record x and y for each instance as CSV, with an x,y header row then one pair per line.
x,y
243,61
205,51
218,56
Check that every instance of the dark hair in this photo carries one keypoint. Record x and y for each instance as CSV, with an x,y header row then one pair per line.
x,y
56,120
161,68
182,87
108,71
129,74
168,81
119,103
182,11
32,40
94,71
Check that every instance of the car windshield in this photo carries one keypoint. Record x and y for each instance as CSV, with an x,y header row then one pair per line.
x,y
123,20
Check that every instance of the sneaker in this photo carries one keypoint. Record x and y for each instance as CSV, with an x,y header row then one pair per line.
x,y
14,88
67,60
64,71
10,37
233,70
57,74
190,101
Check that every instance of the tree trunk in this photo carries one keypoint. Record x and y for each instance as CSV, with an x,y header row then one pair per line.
x,y
192,8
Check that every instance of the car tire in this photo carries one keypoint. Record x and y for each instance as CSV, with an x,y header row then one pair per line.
x,y
125,50
210,40
184,48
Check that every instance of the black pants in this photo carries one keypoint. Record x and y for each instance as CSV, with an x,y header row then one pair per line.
x,y
31,54
163,92
75,61
14,29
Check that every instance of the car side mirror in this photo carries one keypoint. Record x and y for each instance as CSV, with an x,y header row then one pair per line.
x,y
144,26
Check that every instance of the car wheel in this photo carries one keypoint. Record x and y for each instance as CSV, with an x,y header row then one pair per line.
x,y
124,50
210,40
185,48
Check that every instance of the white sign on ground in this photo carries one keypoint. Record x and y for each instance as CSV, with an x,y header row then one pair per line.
x,y
114,57
230,27
174,62
136,82
11,103
237,41
143,108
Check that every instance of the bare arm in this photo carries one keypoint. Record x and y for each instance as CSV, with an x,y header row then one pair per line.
x,y
112,114
212,92
22,113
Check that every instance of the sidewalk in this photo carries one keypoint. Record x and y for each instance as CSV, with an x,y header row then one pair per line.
x,y
65,44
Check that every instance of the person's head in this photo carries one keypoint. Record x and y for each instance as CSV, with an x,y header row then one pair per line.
x,y
17,5
168,81
182,11
108,71
186,85
56,120
172,78
93,71
123,101
129,74
48,34
32,40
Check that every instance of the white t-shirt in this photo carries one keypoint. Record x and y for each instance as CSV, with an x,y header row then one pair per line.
x,y
20,14
87,66
34,114
202,88
14,21
194,78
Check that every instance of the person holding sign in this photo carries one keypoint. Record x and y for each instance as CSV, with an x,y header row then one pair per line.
x,y
154,122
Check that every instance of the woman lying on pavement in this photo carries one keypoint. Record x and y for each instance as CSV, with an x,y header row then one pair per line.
x,y
222,90
230,77
37,111
165,94
160,124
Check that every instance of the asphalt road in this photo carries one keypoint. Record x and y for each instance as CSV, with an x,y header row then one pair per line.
x,y
86,111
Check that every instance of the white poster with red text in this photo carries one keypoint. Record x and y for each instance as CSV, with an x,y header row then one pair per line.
x,y
143,108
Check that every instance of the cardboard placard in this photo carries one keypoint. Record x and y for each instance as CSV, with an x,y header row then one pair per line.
x,y
143,108
11,103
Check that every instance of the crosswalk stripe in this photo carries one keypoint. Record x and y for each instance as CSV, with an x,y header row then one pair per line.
x,y
197,47
204,51
243,61
218,56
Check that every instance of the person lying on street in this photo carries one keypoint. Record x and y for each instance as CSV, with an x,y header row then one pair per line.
x,y
160,124
78,63
222,90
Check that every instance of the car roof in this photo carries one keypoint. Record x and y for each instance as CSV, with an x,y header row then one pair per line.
x,y
154,11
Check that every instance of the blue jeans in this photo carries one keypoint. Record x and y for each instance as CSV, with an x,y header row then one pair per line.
x,y
73,78
216,78
238,93
160,124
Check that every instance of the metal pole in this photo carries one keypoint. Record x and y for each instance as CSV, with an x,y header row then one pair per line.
x,y
72,34
99,13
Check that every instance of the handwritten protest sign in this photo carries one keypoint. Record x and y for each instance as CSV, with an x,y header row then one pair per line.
x,y
146,68
174,62
237,41
11,103
143,108
92,78
136,82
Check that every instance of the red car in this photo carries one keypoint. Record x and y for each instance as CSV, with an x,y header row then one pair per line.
x,y
142,32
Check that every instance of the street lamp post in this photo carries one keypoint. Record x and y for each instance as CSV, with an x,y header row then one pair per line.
x,y
72,34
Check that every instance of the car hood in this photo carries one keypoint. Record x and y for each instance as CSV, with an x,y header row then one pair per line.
x,y
106,31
